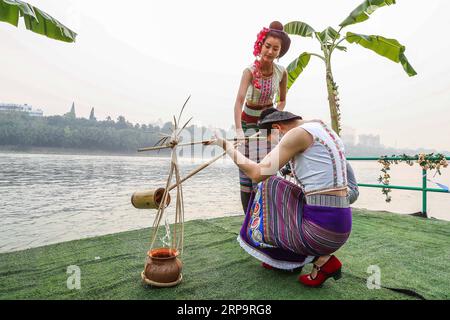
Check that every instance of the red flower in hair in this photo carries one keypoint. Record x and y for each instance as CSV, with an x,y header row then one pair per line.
x,y
256,51
259,41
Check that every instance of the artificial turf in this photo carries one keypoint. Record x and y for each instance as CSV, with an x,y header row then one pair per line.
x,y
413,254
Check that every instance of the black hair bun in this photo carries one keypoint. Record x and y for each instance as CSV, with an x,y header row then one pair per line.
x,y
277,25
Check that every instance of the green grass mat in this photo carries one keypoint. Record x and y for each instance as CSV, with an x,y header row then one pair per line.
x,y
412,253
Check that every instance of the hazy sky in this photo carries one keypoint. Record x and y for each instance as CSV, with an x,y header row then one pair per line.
x,y
142,59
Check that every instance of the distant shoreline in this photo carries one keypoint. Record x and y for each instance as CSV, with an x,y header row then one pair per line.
x,y
162,153
73,151
89,152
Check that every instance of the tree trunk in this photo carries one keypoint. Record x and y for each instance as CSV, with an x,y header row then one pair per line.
x,y
333,100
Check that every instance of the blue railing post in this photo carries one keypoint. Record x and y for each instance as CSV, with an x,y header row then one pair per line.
x,y
424,193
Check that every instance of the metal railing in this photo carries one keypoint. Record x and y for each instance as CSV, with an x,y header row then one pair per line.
x,y
424,189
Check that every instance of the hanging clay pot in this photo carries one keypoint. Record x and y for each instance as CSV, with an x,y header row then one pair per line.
x,y
162,268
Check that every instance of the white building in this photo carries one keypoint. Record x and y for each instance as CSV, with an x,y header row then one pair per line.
x,y
12,107
369,140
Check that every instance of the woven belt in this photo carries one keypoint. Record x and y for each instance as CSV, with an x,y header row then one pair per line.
x,y
254,111
326,200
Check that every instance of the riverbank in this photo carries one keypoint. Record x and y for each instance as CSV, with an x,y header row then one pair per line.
x,y
411,253
73,151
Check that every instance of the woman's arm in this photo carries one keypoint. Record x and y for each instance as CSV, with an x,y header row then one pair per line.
x,y
240,99
353,192
283,90
295,141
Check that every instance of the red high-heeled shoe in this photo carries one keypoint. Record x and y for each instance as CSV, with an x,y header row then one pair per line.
x,y
331,268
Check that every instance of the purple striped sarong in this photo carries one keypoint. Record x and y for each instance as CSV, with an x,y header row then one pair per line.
x,y
283,231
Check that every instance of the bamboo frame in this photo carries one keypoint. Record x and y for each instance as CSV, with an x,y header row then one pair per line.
x,y
147,200
177,240
179,216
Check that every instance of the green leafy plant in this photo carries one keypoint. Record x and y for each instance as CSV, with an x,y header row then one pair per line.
x,y
330,40
426,161
35,20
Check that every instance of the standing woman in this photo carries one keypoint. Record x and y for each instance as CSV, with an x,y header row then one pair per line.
x,y
260,84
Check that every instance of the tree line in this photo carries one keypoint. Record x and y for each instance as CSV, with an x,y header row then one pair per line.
x,y
18,129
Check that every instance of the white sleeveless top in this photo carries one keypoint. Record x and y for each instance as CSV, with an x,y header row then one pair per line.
x,y
323,165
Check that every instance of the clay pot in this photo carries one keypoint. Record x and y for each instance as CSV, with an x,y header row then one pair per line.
x,y
163,267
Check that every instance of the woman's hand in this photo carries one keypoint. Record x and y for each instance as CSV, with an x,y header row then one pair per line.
x,y
240,135
216,141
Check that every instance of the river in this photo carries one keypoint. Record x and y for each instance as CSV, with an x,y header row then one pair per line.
x,y
50,198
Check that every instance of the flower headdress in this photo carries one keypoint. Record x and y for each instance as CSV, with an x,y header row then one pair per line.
x,y
256,52
259,41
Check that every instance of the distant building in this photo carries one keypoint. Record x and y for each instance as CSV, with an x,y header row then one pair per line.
x,y
348,136
11,107
369,140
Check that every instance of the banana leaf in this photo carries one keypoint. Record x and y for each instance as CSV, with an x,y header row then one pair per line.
x,y
296,67
364,10
329,34
342,48
299,28
388,48
35,19
406,66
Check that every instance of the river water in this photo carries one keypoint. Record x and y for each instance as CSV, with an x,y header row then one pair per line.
x,y
50,198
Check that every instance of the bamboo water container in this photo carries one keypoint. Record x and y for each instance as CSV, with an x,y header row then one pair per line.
x,y
149,199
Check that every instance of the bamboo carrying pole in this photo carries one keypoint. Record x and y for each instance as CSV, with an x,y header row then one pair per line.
x,y
187,144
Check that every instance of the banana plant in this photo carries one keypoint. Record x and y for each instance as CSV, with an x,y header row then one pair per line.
x,y
330,40
35,19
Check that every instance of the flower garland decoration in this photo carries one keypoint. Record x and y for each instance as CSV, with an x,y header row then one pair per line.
x,y
256,52
426,161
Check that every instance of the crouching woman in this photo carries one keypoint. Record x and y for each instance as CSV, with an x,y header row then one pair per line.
x,y
288,225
